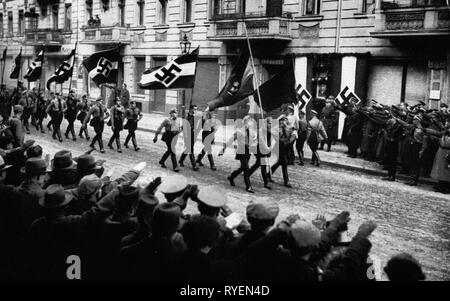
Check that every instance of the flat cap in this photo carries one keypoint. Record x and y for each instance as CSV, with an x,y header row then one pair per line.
x,y
173,184
305,234
212,196
262,211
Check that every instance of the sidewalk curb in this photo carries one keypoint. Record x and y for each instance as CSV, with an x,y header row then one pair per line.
x,y
368,171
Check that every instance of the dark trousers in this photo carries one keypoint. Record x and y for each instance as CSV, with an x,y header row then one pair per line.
x,y
115,137
26,119
299,144
283,169
56,123
416,161
328,142
189,150
313,145
354,142
264,170
83,130
70,128
207,149
39,125
169,152
243,159
391,150
131,135
98,129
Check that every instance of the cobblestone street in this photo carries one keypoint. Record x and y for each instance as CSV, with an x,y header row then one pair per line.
x,y
410,219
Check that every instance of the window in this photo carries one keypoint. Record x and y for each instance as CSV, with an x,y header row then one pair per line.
x,y
187,11
55,16
139,68
33,21
311,7
1,26
162,11
10,23
368,6
21,22
141,12
68,17
122,12
89,9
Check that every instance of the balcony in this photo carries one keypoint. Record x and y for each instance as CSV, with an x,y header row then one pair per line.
x,y
224,28
105,35
41,36
402,20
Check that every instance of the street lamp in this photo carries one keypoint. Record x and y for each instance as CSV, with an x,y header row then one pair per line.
x,y
185,44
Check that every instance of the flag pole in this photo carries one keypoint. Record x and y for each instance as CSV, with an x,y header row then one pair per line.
x,y
3,68
73,65
254,71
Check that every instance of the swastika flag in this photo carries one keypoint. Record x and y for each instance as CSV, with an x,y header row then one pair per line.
x,y
346,95
103,66
64,71
35,69
177,74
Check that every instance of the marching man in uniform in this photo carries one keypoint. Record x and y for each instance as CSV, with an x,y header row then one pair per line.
x,y
99,112
56,110
133,115
208,131
172,128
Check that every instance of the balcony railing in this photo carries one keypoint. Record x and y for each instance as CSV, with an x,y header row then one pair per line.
x,y
43,35
393,4
416,21
261,27
105,35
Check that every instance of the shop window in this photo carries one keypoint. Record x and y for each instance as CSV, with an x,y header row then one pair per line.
x,y
139,68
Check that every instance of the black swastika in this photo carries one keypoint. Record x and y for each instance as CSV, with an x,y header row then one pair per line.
x,y
104,67
168,75
303,97
346,98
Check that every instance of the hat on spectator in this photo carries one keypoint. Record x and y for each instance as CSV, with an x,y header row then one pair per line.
x,y
261,211
55,197
3,165
148,197
173,184
404,267
89,184
18,108
305,233
34,151
128,196
62,160
34,167
86,163
166,218
443,105
212,196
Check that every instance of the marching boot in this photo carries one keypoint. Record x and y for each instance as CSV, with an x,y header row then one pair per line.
x,y
192,159
126,141
199,158
136,148
211,162
182,158
231,180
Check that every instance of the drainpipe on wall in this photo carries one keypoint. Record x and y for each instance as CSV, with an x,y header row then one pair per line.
x,y
338,27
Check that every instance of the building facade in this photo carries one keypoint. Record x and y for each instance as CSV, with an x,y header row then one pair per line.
x,y
392,51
